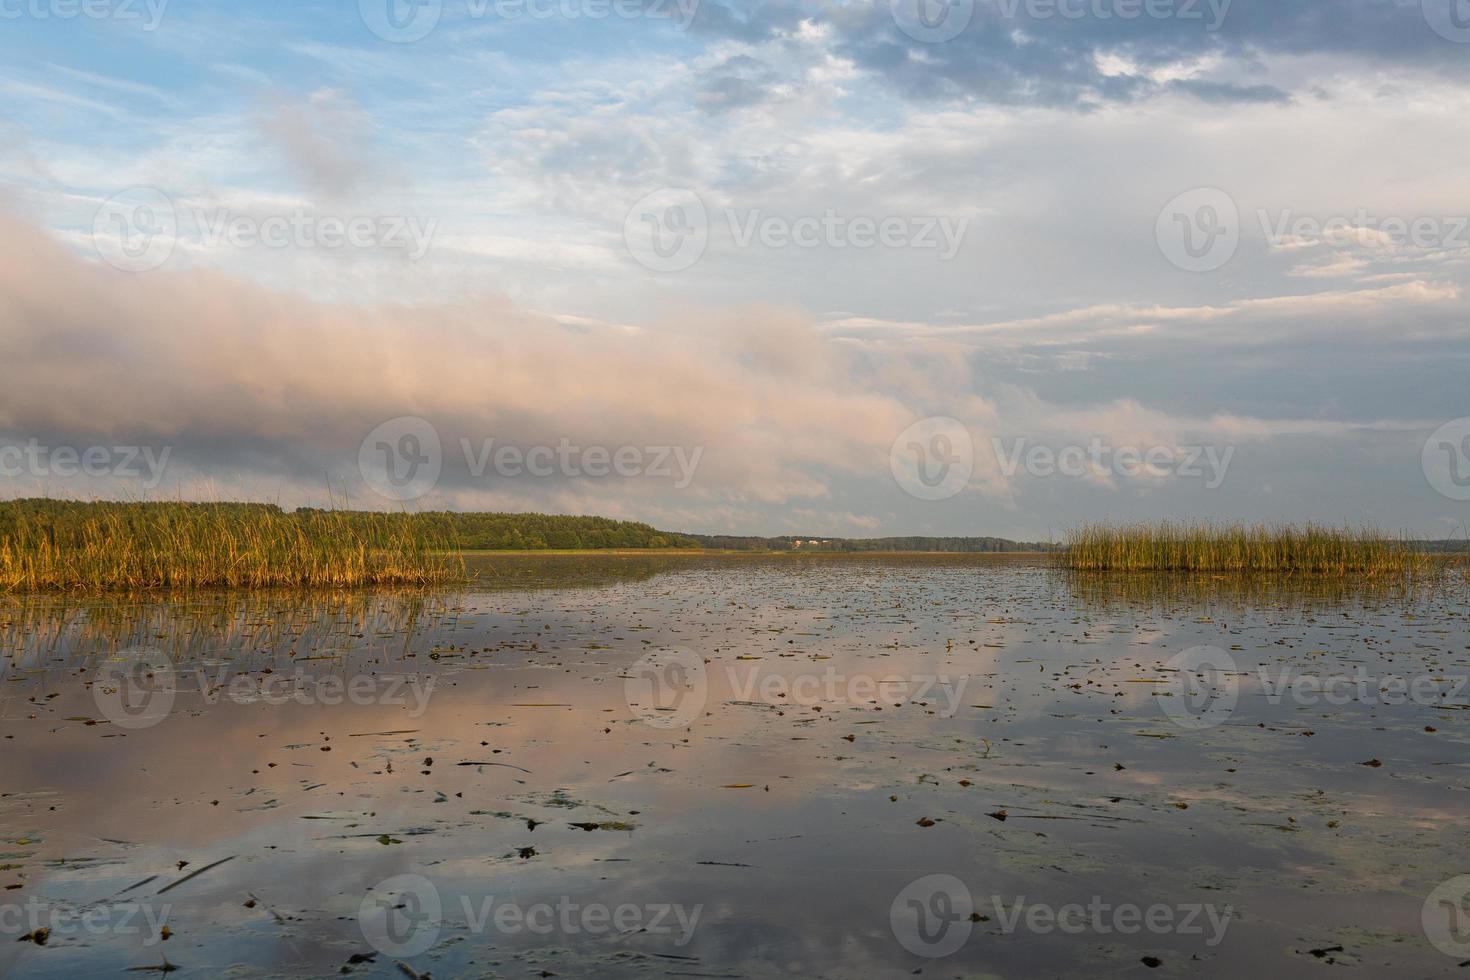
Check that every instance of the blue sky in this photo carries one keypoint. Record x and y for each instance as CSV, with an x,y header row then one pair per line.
x,y
516,179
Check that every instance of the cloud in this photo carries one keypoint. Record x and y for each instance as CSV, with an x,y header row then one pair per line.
x,y
1207,91
1058,139
1257,323
326,140
279,389
738,82
263,394
1067,52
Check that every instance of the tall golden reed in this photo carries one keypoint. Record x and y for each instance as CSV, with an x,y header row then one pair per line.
x,y
1311,549
50,545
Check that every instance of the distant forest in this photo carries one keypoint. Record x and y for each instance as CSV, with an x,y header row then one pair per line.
x,y
67,520
482,531
485,531
798,543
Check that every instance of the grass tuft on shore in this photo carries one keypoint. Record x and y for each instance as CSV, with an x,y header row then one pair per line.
x,y
56,545
1312,549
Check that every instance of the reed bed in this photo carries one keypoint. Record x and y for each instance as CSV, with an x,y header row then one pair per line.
x,y
48,545
1312,549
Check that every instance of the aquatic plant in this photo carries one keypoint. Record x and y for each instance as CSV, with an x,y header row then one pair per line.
x,y
1311,549
50,545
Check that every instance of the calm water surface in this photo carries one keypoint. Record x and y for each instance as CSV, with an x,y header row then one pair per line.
x,y
740,767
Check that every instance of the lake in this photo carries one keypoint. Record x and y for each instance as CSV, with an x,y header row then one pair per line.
x,y
740,766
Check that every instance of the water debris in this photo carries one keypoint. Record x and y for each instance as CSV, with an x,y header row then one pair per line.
x,y
590,826
505,765
194,874
136,885
1072,675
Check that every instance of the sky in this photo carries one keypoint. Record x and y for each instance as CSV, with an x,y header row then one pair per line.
x,y
936,267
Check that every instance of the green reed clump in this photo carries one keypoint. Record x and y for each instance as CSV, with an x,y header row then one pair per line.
x,y
49,545
1312,549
